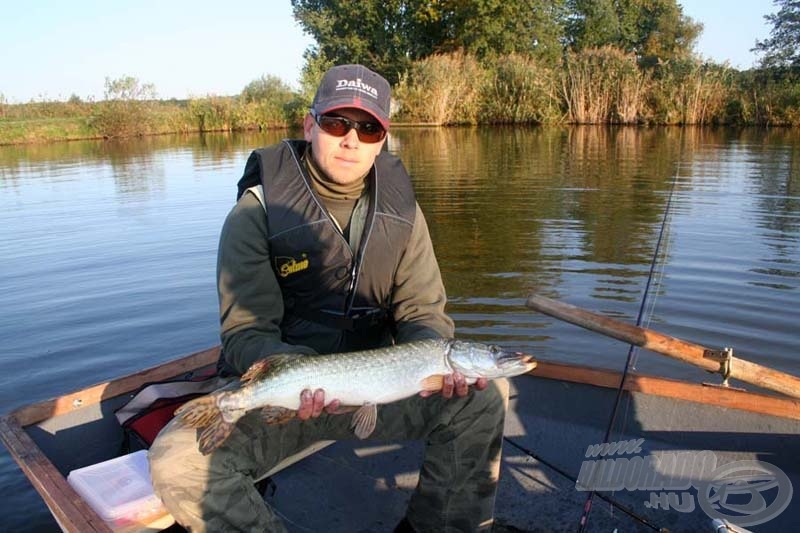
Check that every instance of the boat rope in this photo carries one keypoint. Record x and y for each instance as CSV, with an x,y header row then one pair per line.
x,y
622,507
632,351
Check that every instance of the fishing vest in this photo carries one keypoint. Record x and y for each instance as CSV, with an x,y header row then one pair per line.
x,y
333,300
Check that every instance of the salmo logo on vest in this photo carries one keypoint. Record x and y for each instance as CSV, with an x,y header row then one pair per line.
x,y
357,85
286,266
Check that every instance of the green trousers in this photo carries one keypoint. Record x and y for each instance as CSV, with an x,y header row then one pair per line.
x,y
457,482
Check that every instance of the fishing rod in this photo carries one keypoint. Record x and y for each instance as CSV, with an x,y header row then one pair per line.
x,y
587,507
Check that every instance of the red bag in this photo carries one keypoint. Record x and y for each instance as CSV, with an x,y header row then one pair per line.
x,y
154,405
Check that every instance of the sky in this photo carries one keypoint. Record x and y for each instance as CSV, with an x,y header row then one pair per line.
x,y
50,50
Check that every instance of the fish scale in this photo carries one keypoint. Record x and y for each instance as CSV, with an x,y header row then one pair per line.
x,y
383,376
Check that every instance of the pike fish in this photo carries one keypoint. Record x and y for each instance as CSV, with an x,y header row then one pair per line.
x,y
361,380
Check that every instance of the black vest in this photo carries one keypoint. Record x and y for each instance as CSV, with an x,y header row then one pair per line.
x,y
333,301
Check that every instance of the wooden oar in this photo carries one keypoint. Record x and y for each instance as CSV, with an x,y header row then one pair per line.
x,y
695,354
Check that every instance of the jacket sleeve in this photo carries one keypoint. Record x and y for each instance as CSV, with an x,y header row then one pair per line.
x,y
419,297
250,301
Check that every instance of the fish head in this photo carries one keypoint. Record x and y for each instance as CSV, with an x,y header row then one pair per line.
x,y
477,360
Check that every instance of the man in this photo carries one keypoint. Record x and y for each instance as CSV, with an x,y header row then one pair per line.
x,y
327,251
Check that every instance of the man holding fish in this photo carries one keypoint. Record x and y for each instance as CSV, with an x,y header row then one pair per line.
x,y
327,251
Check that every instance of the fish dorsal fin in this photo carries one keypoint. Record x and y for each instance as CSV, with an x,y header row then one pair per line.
x,y
364,420
256,370
433,383
262,367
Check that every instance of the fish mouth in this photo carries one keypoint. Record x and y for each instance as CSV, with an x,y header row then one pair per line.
x,y
517,362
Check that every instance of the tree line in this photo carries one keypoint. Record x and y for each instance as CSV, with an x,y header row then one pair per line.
x,y
549,61
390,35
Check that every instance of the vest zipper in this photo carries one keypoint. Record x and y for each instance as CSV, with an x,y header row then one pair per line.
x,y
354,259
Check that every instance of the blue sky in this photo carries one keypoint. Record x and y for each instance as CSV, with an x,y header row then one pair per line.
x,y
52,49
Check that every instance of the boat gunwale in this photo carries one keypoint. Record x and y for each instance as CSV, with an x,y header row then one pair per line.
x,y
702,393
37,412
67,507
74,514
70,511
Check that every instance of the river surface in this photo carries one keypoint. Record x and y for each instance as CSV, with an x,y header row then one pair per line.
x,y
108,249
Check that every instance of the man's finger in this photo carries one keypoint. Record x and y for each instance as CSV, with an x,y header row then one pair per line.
x,y
306,405
318,403
482,383
333,407
447,387
460,384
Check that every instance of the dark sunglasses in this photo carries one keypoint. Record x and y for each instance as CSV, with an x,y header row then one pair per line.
x,y
368,132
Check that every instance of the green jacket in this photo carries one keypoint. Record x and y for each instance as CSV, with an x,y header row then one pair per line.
x,y
252,305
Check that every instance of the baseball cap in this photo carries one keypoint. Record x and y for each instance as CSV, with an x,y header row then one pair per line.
x,y
354,86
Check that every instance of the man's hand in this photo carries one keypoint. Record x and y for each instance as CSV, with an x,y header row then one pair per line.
x,y
456,383
312,405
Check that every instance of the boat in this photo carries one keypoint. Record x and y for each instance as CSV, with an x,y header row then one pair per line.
x,y
746,443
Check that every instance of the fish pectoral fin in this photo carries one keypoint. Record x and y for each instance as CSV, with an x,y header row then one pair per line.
x,y
273,414
433,383
364,420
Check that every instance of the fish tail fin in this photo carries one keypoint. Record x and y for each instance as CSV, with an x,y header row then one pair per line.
x,y
204,412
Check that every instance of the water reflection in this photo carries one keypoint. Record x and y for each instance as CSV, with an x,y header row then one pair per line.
x,y
562,211
109,247
775,183
575,213
571,212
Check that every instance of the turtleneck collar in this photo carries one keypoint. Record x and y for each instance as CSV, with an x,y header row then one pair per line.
x,y
327,188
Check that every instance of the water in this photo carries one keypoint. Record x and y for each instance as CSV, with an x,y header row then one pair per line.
x,y
108,248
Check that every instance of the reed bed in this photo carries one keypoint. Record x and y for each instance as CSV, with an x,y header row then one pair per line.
x,y
593,86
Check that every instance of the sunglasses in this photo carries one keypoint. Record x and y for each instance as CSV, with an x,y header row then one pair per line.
x,y
368,132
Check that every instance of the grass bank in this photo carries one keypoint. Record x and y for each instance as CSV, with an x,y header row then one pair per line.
x,y
594,86
44,129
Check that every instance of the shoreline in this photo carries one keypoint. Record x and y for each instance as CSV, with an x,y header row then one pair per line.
x,y
95,137
398,125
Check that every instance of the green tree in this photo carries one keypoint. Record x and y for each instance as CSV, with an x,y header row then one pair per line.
x,y
655,30
661,31
388,35
127,108
593,23
267,88
781,48
492,28
313,69
359,32
128,88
